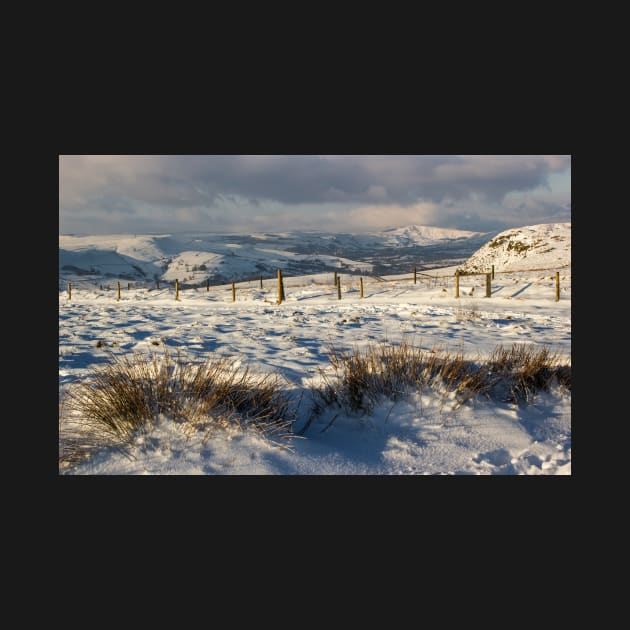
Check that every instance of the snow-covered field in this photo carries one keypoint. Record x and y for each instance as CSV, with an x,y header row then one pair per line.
x,y
415,436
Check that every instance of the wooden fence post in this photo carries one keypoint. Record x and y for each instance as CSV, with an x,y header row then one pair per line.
x,y
457,284
118,282
557,286
261,286
335,278
414,275
157,283
488,285
207,284
280,287
128,286
361,286
493,272
69,291
338,288
176,289
233,292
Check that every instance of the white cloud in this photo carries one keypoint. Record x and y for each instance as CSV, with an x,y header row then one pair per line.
x,y
379,217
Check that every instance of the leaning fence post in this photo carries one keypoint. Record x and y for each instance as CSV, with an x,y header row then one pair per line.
x,y
69,291
176,289
338,288
557,286
233,292
488,285
361,286
414,275
457,284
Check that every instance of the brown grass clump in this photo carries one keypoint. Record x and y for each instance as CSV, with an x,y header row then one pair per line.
x,y
361,378
130,393
516,373
467,314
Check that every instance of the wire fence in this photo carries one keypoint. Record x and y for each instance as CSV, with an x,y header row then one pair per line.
x,y
340,284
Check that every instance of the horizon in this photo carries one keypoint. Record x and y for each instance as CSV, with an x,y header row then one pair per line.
x,y
305,231
151,195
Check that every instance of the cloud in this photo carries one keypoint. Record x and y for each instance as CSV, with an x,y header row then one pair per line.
x,y
168,180
360,192
381,217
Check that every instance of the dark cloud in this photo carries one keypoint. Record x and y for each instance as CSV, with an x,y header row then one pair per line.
x,y
124,184
170,180
285,179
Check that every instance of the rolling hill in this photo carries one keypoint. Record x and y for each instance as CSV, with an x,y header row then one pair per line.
x,y
194,258
543,246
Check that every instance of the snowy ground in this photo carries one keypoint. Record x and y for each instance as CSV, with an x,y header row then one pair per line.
x,y
416,436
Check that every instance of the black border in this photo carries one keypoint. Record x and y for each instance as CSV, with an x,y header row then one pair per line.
x,y
361,123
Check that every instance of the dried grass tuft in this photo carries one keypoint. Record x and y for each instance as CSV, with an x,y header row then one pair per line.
x,y
361,378
130,393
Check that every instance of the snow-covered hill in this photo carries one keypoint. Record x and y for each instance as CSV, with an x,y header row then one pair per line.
x,y
193,258
544,246
424,235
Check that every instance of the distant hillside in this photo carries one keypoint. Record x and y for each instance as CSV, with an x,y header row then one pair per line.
x,y
193,258
543,246
424,235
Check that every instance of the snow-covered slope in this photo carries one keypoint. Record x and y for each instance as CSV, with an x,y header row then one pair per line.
x,y
424,235
543,246
194,258
190,258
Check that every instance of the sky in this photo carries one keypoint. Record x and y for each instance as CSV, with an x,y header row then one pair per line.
x,y
146,194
